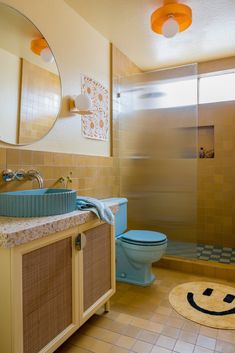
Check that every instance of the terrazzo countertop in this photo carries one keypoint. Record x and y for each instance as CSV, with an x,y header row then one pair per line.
x,y
16,231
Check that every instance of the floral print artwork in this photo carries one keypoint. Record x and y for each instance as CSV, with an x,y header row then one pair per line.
x,y
96,126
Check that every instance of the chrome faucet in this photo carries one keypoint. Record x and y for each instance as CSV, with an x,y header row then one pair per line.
x,y
35,174
21,175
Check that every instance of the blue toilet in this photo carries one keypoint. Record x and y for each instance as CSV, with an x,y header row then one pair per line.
x,y
136,250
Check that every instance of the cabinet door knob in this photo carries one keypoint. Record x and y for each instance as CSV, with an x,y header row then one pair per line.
x,y
80,241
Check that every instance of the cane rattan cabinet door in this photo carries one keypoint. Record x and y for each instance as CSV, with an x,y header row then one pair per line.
x,y
47,294
97,264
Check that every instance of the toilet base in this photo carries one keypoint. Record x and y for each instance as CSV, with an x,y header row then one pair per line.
x,y
131,272
144,282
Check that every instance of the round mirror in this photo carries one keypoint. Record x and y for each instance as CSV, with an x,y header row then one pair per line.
x,y
30,87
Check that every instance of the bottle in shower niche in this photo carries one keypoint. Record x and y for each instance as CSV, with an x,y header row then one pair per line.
x,y
202,153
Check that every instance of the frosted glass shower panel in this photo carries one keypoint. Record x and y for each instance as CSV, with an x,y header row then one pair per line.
x,y
158,152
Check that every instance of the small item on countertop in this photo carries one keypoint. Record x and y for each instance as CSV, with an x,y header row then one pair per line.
x,y
210,154
202,153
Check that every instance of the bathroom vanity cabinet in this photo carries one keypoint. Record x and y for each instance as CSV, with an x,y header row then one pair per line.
x,y
52,285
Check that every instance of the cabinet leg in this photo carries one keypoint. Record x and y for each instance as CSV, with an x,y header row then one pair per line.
x,y
107,306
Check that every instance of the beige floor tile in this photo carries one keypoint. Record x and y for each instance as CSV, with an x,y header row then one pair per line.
x,y
191,326
122,308
142,323
154,327
164,302
157,349
101,347
148,336
224,347
85,329
116,349
112,315
132,331
189,337
183,347
206,342
143,314
166,342
102,334
174,322
125,342
97,320
209,332
162,319
163,310
137,323
102,321
110,337
68,348
199,349
124,318
175,314
142,347
82,341
171,332
226,335
112,325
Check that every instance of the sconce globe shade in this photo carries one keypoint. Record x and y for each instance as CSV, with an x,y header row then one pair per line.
x,y
47,55
170,28
83,102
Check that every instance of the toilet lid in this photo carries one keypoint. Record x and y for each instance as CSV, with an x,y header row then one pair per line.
x,y
144,237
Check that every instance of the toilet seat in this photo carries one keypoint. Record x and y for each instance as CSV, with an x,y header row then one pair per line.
x,y
144,238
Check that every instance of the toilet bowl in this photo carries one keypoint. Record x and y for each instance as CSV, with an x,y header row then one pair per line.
x,y
136,250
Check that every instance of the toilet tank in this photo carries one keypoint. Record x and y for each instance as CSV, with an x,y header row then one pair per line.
x,y
121,215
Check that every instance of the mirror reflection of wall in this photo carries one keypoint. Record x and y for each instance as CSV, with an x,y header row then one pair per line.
x,y
30,90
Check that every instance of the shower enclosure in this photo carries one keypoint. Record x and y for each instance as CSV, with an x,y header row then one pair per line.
x,y
158,148
165,126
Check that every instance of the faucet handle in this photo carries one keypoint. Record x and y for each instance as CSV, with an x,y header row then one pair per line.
x,y
8,175
20,175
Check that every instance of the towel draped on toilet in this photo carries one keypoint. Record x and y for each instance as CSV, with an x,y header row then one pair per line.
x,y
99,208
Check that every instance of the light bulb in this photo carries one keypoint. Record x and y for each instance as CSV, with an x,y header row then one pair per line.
x,y
83,103
47,55
170,27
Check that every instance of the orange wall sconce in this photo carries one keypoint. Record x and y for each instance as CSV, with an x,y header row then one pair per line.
x,y
39,46
170,19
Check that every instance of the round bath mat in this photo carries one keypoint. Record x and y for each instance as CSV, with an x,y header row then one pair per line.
x,y
209,304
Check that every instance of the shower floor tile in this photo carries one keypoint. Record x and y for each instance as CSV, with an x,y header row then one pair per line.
x,y
202,251
216,254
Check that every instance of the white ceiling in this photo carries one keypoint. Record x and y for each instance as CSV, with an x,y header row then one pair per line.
x,y
126,23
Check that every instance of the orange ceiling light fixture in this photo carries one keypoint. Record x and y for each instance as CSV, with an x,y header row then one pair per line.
x,y
171,18
39,46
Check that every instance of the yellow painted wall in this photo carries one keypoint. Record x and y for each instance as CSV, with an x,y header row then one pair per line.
x,y
78,49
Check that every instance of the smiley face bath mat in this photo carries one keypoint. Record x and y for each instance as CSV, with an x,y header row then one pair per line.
x,y
209,304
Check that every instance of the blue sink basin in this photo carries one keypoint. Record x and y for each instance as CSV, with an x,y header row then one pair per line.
x,y
37,202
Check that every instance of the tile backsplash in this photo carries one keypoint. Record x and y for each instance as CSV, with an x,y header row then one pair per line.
x,y
91,175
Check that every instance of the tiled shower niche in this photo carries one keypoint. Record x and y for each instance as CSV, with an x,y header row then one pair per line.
x,y
194,138
206,141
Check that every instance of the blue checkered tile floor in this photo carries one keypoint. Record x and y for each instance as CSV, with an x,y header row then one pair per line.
x,y
216,254
201,251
